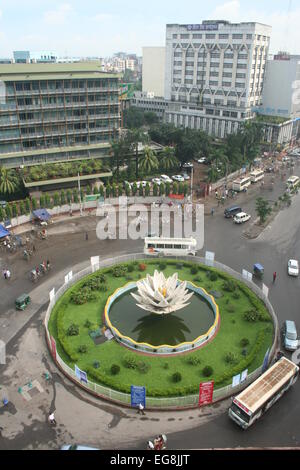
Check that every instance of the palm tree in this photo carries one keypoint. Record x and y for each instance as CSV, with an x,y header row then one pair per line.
x,y
149,160
8,182
134,137
168,159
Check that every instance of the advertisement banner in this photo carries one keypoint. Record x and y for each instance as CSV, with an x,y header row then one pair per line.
x,y
176,196
138,396
244,375
236,380
206,390
82,376
53,347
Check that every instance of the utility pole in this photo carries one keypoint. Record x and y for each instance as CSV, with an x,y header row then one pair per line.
x,y
79,192
192,174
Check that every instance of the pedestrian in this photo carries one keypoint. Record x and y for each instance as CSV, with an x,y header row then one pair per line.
x,y
52,419
86,236
7,274
217,194
33,248
4,274
212,211
226,193
141,409
274,276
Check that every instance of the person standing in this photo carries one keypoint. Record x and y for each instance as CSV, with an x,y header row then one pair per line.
x,y
8,274
4,274
274,276
86,236
141,409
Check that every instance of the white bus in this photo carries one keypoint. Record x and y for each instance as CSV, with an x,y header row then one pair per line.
x,y
241,184
170,246
292,182
250,404
256,175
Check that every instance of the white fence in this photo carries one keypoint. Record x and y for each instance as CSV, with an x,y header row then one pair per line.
x,y
187,401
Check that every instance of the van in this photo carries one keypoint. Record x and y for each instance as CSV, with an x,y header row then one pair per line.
x,y
241,218
289,335
232,211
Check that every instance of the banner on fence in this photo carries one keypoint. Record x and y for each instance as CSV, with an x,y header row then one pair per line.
x,y
82,376
66,279
244,375
265,290
247,275
206,390
95,260
209,258
236,380
138,396
52,294
53,347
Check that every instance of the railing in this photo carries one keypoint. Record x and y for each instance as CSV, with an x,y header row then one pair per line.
x,y
188,401
61,90
56,119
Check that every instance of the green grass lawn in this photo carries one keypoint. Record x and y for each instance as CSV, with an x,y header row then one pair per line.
x,y
158,378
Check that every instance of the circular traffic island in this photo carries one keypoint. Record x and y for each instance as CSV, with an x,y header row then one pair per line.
x,y
215,328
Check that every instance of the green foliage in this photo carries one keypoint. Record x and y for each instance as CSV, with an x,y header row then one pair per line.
x,y
88,190
130,361
244,342
162,266
2,214
88,324
42,201
34,203
56,199
230,308
231,358
207,371
8,211
14,210
73,330
236,295
143,367
22,208
119,271
155,189
194,269
213,276
229,285
27,205
83,349
115,369
175,188
69,196
82,296
193,360
147,190
62,198
263,209
176,377
130,268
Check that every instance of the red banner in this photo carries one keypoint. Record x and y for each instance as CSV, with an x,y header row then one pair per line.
x,y
176,196
206,393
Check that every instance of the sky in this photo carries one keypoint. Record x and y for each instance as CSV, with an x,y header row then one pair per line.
x,y
102,27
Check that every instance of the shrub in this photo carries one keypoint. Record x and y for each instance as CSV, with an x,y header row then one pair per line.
x,y
176,377
82,296
73,330
82,348
130,268
130,361
143,367
162,266
193,361
129,278
252,316
194,269
207,371
244,342
230,308
88,324
166,365
229,285
119,271
236,295
233,321
96,364
213,276
179,265
142,267
231,358
115,369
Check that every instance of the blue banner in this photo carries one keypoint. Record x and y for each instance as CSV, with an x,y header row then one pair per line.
x,y
82,376
138,396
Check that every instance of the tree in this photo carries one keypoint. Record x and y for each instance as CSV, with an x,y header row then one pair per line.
x,y
120,189
8,211
27,205
14,210
120,150
62,197
134,137
262,209
127,190
175,188
134,188
155,189
2,214
8,182
22,208
168,159
56,199
149,161
141,190
34,203
108,190
162,189
147,190
42,202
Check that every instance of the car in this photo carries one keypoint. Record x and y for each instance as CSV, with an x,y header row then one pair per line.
x,y
289,335
185,176
77,447
270,169
230,212
156,181
165,179
241,217
178,178
201,160
143,183
187,165
293,267
126,183
3,204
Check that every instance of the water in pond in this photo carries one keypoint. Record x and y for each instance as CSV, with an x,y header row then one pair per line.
x,y
172,329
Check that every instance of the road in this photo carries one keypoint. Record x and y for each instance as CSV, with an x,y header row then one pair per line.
x,y
25,423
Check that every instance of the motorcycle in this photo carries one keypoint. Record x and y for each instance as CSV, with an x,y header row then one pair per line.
x,y
159,443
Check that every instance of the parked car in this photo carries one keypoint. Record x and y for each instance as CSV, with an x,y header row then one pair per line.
x,y
178,178
241,217
187,165
3,204
201,160
126,183
289,335
157,181
139,183
165,178
230,212
185,176
293,267
77,447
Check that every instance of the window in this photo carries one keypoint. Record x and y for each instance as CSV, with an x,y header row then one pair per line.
x,y
210,111
190,54
228,55
240,85
215,55
223,36
249,36
213,83
188,81
214,74
189,72
237,36
227,74
227,66
241,66
214,64
226,84
184,36
197,36
177,63
226,113
219,103
177,54
243,56
189,64
210,36
174,36
240,75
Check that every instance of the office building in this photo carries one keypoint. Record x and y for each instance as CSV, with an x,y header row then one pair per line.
x,y
57,112
153,77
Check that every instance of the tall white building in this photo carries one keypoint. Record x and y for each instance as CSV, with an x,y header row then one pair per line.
x,y
214,74
153,77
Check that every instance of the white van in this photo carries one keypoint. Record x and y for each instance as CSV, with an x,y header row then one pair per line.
x,y
241,218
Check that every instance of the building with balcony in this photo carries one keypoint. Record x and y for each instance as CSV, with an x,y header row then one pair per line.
x,y
57,112
214,74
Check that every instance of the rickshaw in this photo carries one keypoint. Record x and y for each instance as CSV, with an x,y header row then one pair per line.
x,y
258,271
22,302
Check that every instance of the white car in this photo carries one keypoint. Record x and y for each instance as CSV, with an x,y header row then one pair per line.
x,y
293,267
188,165
156,181
165,179
201,160
139,183
241,217
178,178
185,176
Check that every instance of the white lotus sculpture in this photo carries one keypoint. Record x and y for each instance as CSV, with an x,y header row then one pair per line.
x,y
159,295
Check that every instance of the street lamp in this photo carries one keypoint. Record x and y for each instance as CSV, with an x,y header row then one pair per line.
x,y
79,191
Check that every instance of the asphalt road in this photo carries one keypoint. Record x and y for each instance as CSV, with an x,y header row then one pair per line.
x,y
279,242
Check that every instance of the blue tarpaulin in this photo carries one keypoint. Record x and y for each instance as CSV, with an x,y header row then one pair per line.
x,y
3,232
41,214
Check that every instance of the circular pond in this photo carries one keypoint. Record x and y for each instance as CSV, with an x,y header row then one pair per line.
x,y
179,331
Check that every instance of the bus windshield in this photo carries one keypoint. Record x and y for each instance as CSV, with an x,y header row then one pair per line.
x,y
240,413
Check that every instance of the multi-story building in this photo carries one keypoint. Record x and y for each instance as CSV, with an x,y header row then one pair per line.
x,y
153,77
148,102
214,74
24,57
57,112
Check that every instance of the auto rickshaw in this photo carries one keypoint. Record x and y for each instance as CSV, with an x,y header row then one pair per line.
x,y
22,302
258,271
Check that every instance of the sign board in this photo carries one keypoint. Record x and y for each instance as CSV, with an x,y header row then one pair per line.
x,y
66,279
53,347
138,395
95,260
244,375
265,290
176,196
206,390
209,258
52,294
81,375
202,27
236,380
247,275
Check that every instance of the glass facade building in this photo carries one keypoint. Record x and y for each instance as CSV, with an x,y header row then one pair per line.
x,y
57,112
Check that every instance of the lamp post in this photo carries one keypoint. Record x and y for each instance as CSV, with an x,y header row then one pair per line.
x,y
79,192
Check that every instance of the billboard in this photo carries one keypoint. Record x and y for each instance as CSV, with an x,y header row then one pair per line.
x,y
202,27
206,393
126,91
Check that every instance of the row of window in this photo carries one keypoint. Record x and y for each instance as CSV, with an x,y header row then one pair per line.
x,y
61,84
214,36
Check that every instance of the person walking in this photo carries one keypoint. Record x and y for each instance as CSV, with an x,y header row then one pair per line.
x,y
86,236
212,211
52,419
7,274
4,274
141,409
274,276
